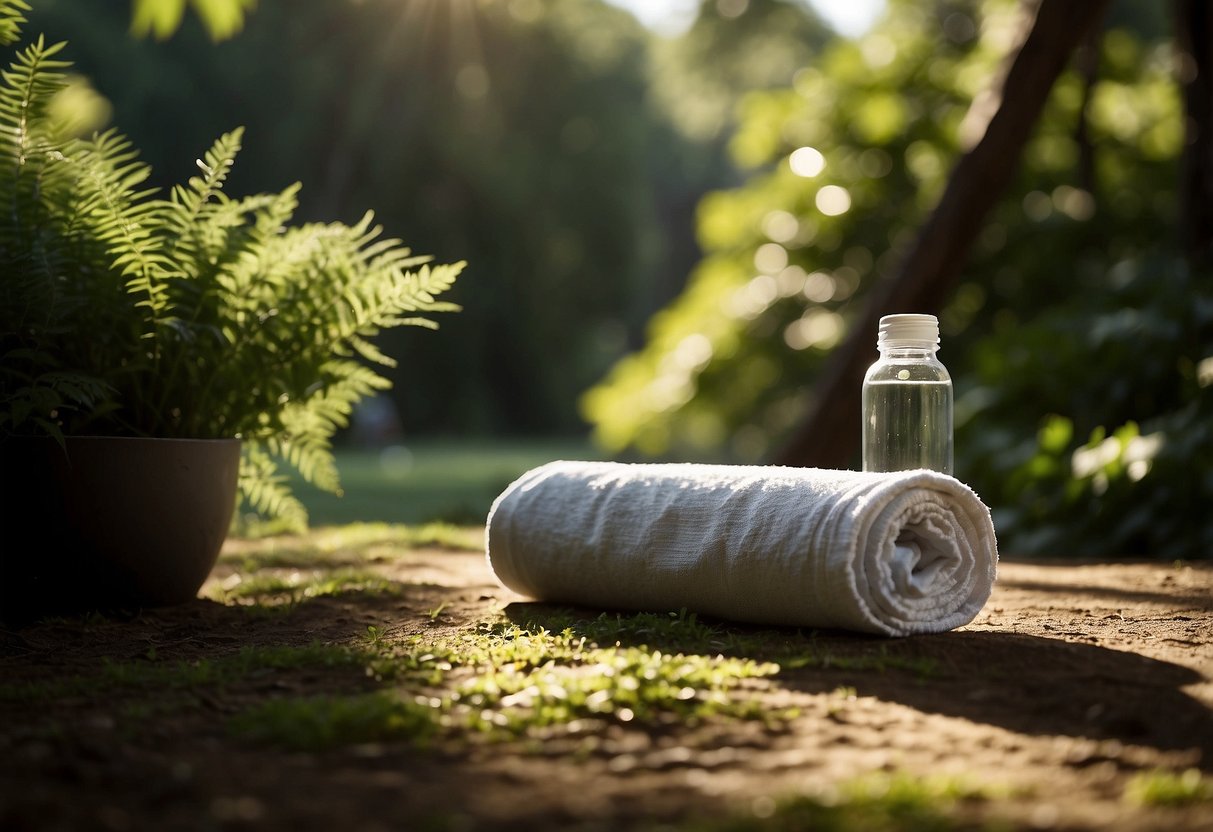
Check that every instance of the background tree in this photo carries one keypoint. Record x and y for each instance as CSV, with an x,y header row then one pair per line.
x,y
560,146
1076,335
519,134
998,124
697,81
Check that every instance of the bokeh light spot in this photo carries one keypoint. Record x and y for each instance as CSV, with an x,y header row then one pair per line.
x,y
807,162
833,200
770,258
780,226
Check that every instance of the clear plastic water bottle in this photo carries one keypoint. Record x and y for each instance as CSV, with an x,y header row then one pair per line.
x,y
907,399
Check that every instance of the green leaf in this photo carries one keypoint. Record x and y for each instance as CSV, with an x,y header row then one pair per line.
x,y
160,18
1055,435
12,16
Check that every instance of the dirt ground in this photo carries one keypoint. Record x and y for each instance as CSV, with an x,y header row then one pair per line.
x,y
1073,680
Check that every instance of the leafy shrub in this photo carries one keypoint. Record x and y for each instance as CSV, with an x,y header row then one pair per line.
x,y
1120,386
199,315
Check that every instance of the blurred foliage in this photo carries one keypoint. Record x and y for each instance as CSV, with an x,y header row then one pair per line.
x,y
846,163
566,151
529,137
870,126
161,18
699,77
696,82
1120,383
522,135
499,130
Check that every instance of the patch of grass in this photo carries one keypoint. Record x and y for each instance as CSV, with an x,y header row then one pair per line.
x,y
86,621
673,631
270,589
159,676
502,681
317,723
535,678
447,536
351,545
880,660
685,632
1160,787
877,803
431,479
549,670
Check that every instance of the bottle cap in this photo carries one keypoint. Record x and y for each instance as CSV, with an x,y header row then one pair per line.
x,y
912,331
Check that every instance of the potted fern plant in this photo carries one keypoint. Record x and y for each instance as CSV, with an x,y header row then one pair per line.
x,y
161,354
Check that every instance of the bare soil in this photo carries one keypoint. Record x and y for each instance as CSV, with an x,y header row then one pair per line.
x,y
1074,678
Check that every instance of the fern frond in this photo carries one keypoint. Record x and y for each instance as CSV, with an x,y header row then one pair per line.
x,y
265,490
264,255
371,352
186,203
383,291
310,455
415,292
44,398
27,141
12,16
28,86
423,285
129,224
309,425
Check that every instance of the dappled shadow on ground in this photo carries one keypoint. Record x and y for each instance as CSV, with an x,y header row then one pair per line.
x,y
1042,686
1006,698
1172,600
1019,682
208,629
1143,586
139,758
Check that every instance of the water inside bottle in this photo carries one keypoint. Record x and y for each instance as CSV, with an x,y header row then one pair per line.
x,y
907,424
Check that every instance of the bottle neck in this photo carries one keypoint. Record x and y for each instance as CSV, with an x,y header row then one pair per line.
x,y
904,351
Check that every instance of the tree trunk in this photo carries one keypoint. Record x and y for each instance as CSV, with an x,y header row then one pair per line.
x,y
1194,39
829,436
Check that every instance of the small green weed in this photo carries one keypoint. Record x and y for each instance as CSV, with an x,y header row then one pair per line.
x,y
1160,787
884,803
271,589
673,631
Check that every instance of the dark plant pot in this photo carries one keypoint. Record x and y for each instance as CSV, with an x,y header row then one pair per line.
x,y
111,522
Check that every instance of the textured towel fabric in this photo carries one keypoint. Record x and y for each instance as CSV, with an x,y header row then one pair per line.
x,y
892,554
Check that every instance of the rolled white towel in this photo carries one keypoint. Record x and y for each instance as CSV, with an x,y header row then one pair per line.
x,y
892,554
